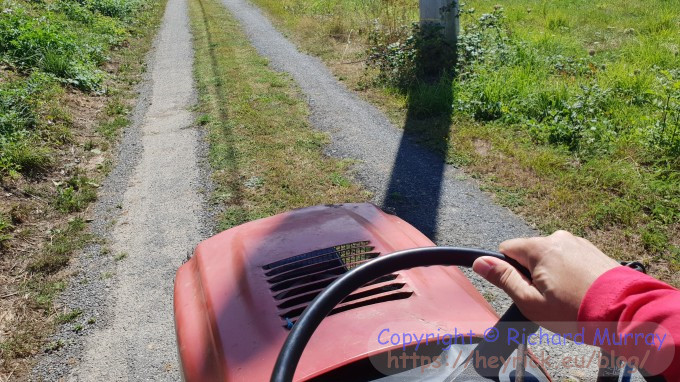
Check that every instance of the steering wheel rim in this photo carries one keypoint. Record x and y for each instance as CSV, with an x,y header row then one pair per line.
x,y
321,306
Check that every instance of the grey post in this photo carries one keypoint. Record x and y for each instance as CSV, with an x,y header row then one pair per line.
x,y
431,12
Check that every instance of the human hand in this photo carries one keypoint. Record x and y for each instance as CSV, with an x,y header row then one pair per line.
x,y
562,266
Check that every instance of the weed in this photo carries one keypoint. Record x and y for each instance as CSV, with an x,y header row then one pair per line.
x,y
75,11
20,344
20,146
5,229
115,108
483,41
44,291
89,145
204,119
63,243
32,43
507,197
69,316
558,24
106,275
666,132
110,128
405,57
50,44
120,9
19,154
121,256
75,194
654,238
339,180
54,346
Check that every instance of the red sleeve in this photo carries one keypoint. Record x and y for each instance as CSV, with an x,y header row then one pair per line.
x,y
640,310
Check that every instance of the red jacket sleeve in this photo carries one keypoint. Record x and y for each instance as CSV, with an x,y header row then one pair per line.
x,y
642,319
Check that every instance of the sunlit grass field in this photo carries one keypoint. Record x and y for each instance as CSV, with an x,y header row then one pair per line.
x,y
568,111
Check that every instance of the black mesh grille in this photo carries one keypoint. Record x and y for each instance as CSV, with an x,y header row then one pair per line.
x,y
297,280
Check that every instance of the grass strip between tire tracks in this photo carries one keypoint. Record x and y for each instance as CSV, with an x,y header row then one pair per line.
x,y
265,156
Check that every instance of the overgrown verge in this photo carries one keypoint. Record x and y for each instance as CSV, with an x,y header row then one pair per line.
x,y
568,112
265,156
67,75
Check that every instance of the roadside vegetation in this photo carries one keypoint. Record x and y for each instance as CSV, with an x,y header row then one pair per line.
x,y
265,156
67,75
567,111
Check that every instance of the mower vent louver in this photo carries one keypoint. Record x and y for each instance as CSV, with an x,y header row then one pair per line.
x,y
295,281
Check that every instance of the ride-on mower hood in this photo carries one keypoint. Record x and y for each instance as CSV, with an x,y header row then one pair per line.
x,y
238,296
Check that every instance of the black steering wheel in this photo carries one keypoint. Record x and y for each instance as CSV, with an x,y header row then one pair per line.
x,y
322,305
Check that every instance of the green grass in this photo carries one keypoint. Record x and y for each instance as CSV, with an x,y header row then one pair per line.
x,y
121,256
46,47
69,317
75,194
63,243
5,228
266,158
24,146
568,111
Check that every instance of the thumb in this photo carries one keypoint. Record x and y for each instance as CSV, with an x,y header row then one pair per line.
x,y
506,277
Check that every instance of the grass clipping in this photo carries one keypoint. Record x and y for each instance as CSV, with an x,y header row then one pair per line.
x,y
265,156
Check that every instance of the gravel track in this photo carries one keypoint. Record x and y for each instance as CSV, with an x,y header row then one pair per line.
x,y
149,209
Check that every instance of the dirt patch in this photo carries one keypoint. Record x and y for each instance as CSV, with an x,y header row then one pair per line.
x,y
482,147
85,109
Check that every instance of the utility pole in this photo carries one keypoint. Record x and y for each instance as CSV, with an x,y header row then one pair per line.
x,y
444,13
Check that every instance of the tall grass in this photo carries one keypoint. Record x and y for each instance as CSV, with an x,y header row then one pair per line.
x,y
601,97
46,46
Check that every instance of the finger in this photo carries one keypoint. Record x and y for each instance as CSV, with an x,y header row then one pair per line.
x,y
519,250
506,277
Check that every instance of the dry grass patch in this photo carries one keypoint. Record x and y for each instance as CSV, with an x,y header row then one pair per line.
x,y
266,157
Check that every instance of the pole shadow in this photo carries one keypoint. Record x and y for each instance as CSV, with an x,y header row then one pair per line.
x,y
415,185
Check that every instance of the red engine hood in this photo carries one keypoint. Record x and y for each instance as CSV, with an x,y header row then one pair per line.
x,y
228,320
